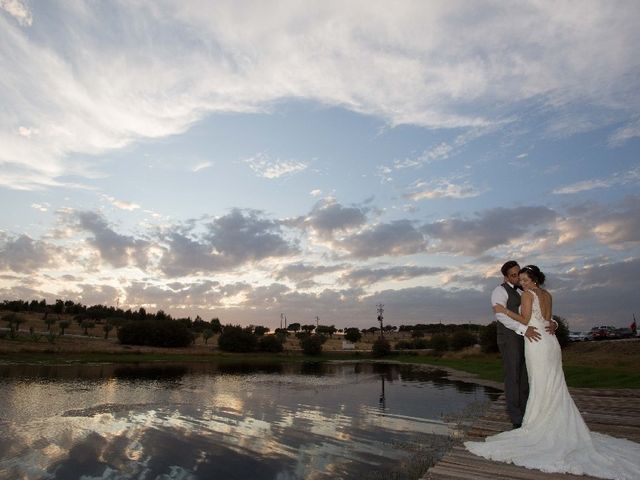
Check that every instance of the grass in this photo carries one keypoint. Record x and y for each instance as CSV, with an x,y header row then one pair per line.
x,y
611,374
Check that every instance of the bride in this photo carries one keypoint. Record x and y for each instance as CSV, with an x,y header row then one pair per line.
x,y
553,436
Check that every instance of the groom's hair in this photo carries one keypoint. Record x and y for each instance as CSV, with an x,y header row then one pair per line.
x,y
508,266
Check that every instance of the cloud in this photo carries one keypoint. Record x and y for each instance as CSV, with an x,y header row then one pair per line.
x,y
329,217
151,69
229,241
631,176
201,166
442,188
43,207
19,10
491,228
625,133
263,166
302,272
396,238
22,254
121,204
368,276
116,249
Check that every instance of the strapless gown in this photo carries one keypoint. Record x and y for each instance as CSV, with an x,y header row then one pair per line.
x,y
553,436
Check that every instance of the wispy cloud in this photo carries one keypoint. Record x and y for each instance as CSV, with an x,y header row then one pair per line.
x,y
118,87
121,204
627,132
443,188
201,166
631,176
19,10
267,167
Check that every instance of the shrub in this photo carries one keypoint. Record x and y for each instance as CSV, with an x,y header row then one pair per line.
x,y
381,347
417,334
404,345
270,343
312,344
489,338
352,335
439,342
462,339
562,333
421,343
155,333
234,338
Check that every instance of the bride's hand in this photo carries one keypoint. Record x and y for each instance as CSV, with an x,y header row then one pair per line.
x,y
499,309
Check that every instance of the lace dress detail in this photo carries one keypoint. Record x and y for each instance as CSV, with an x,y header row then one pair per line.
x,y
553,436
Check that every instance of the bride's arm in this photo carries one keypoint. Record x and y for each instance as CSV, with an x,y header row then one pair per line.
x,y
525,309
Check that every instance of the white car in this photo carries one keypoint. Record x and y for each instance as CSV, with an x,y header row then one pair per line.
x,y
578,337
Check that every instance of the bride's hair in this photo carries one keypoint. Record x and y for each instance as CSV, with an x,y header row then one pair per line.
x,y
534,274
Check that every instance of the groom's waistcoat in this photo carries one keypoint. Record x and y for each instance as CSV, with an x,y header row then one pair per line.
x,y
513,304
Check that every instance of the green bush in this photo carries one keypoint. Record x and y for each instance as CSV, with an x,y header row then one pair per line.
x,y
462,339
404,345
439,342
155,333
421,343
234,338
381,347
352,335
312,344
489,338
562,333
270,343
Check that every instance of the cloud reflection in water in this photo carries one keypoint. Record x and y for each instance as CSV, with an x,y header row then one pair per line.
x,y
207,421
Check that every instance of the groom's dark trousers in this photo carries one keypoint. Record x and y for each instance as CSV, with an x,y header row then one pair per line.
x,y
511,345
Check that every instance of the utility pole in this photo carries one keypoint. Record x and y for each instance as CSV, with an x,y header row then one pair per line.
x,y
380,308
317,321
281,316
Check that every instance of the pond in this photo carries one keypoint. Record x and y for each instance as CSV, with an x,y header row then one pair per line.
x,y
219,421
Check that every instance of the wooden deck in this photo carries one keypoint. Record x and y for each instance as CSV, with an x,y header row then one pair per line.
x,y
614,412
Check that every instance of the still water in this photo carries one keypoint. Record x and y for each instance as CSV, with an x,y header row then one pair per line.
x,y
206,421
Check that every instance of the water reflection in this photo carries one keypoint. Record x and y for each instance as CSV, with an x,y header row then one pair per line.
x,y
201,421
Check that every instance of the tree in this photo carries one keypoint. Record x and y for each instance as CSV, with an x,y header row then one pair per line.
x,y
88,325
462,339
259,330
489,338
293,327
352,335
63,324
439,342
308,328
234,338
312,344
216,327
168,334
49,320
381,347
107,327
207,333
58,308
270,343
562,332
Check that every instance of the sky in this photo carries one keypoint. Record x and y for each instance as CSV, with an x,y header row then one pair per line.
x,y
252,160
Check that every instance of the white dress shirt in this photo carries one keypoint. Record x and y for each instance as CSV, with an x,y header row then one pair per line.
x,y
499,296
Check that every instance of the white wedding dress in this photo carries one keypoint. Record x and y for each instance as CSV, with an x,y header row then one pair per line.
x,y
553,436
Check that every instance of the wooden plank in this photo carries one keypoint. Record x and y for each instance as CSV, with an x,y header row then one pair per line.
x,y
609,411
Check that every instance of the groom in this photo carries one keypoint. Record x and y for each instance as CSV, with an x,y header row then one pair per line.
x,y
511,343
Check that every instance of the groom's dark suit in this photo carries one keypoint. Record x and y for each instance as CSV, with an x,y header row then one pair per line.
x,y
511,345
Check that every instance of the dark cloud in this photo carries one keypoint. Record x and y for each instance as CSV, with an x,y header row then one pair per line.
x,y
22,254
230,241
115,249
396,238
497,226
301,272
369,276
328,217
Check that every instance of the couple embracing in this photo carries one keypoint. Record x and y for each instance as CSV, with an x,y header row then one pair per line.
x,y
549,433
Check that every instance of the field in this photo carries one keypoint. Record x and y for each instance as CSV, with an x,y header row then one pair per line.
x,y
605,364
